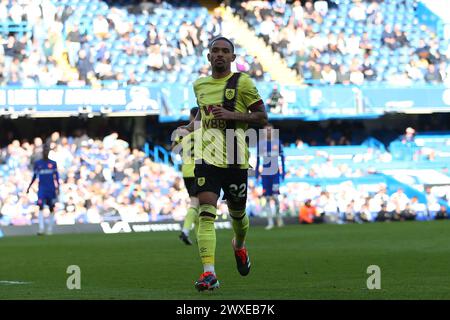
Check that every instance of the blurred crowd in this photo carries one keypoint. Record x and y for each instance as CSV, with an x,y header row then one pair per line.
x,y
28,53
341,58
101,180
106,180
45,46
348,203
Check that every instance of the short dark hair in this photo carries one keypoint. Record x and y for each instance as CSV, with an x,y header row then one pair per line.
x,y
221,38
194,111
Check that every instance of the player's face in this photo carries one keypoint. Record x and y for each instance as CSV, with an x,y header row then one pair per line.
x,y
221,55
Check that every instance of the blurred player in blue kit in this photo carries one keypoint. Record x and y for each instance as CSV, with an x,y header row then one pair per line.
x,y
47,172
272,173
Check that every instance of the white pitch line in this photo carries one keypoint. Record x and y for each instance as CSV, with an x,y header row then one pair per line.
x,y
13,282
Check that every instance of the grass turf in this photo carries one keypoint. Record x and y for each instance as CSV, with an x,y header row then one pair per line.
x,y
294,262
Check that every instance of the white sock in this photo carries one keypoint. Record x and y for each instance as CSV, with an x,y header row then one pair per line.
x,y
269,213
41,221
185,231
51,220
209,268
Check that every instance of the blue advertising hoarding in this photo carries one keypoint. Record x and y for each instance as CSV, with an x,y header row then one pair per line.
x,y
172,101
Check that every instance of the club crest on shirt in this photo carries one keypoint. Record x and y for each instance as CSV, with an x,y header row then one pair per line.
x,y
201,181
50,166
229,93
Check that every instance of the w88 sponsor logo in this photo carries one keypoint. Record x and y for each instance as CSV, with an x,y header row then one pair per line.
x,y
211,122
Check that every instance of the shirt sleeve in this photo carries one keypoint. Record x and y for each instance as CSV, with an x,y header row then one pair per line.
x,y
249,92
283,167
194,86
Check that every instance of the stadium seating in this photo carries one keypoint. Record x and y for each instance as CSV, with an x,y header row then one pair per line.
x,y
385,61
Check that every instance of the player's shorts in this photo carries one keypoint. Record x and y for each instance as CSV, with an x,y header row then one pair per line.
x,y
46,199
271,185
190,186
233,182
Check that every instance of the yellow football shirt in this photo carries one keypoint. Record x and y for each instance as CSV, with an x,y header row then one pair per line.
x,y
212,147
187,154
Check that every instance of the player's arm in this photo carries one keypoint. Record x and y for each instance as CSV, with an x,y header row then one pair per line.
x,y
176,141
257,115
56,179
33,179
251,99
283,167
257,161
191,126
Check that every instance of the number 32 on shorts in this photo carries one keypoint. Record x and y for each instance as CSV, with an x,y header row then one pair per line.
x,y
238,192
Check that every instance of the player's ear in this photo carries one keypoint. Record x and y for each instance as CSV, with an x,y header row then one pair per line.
x,y
209,57
234,57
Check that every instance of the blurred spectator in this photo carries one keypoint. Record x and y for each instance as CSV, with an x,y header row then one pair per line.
x,y
365,43
358,11
423,49
388,37
84,65
383,214
368,70
400,201
400,37
100,27
441,213
74,39
308,213
432,75
256,69
276,103
240,65
329,76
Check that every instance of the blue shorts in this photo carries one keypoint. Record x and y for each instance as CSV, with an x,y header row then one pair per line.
x,y
48,199
271,185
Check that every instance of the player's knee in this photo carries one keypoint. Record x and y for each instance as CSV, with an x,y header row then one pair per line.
x,y
207,211
194,202
237,214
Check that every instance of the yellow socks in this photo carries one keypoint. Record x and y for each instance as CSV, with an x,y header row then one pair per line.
x,y
206,236
191,217
240,223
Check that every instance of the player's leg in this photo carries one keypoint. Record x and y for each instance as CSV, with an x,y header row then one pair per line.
x,y
208,181
276,201
269,212
51,216
267,194
236,196
41,230
190,220
192,213
279,218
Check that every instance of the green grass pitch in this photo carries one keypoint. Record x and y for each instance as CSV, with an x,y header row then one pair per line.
x,y
294,262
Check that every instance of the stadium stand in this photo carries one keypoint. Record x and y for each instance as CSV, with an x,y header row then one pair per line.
x,y
106,180
351,42
79,43
95,43
98,43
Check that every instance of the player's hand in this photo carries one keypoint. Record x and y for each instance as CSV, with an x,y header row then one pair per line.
x,y
222,113
28,191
